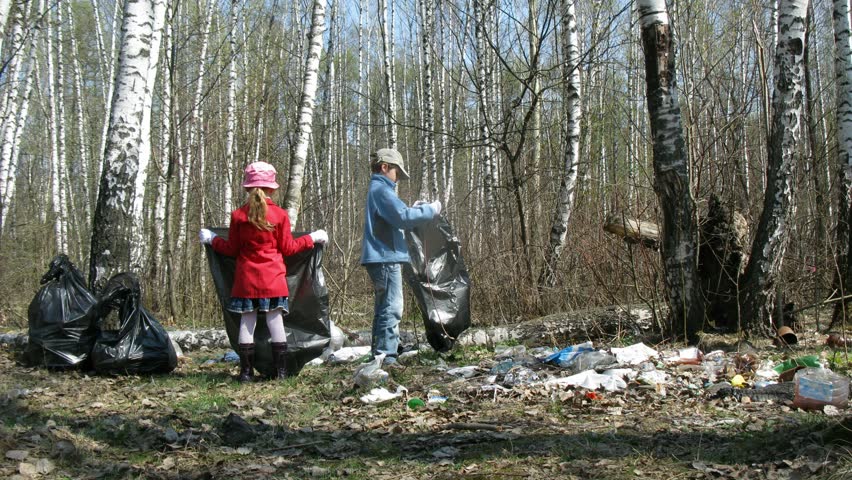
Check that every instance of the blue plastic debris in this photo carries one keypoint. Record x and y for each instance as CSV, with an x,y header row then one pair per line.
x,y
568,355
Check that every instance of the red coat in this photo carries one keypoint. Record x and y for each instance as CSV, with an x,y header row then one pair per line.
x,y
260,271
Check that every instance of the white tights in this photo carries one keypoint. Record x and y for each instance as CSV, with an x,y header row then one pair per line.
x,y
274,321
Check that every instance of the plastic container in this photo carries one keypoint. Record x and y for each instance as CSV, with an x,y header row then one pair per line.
x,y
818,387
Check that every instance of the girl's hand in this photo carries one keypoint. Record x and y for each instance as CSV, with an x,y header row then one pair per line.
x,y
319,236
206,236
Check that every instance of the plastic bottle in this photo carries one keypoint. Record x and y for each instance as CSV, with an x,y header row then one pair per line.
x,y
818,387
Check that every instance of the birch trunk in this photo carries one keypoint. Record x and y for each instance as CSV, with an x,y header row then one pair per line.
x,y
430,183
230,147
113,222
293,198
55,111
138,241
843,99
83,152
573,111
12,137
483,93
671,172
772,235
390,83
5,8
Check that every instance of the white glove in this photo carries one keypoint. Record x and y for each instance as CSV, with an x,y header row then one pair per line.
x,y
206,236
436,205
319,236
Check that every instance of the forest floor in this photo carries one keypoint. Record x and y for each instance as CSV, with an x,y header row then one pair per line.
x,y
199,423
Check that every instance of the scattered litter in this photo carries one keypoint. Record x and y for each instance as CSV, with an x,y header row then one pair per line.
x,y
519,375
464,372
634,354
738,381
381,395
818,387
591,380
415,402
231,356
348,354
436,397
565,357
502,367
686,356
502,352
653,377
592,360
371,373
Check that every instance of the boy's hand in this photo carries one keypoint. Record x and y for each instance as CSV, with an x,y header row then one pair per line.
x,y
436,205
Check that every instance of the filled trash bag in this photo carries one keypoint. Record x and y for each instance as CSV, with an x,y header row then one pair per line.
x,y
307,325
61,318
139,345
439,278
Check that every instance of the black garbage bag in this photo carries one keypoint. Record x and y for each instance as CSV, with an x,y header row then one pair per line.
x,y
307,325
140,345
61,318
439,278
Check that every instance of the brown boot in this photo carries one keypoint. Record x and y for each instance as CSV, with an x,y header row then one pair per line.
x,y
279,360
246,363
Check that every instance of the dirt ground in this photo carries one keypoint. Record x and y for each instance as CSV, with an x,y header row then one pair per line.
x,y
199,423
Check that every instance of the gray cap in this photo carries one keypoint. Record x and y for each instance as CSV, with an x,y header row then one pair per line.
x,y
391,157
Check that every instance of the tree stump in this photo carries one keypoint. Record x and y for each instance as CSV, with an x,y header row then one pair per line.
x,y
721,261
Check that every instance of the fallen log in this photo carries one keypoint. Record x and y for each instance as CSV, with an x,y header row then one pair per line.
x,y
633,230
567,328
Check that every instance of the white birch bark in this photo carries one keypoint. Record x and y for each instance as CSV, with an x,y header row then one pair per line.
x,y
483,93
10,75
772,235
5,7
293,197
230,145
55,110
161,220
110,81
196,130
12,136
80,121
113,222
573,112
671,172
843,99
138,241
390,84
429,160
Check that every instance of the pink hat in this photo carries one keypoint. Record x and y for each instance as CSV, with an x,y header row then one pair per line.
x,y
260,174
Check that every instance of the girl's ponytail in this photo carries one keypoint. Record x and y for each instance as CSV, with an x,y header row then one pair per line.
x,y
257,210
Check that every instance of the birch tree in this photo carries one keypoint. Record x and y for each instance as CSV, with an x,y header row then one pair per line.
x,y
573,118
113,222
427,39
390,83
293,197
770,241
843,99
5,7
671,172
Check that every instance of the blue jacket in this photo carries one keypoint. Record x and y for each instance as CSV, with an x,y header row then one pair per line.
x,y
385,218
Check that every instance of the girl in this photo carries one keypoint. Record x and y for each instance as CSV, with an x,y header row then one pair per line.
x,y
259,236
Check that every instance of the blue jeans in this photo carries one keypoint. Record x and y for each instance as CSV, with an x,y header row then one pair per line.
x,y
387,310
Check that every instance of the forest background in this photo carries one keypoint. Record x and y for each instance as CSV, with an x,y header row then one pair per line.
x,y
527,119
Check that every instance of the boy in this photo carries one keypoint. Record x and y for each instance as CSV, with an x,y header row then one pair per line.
x,y
384,250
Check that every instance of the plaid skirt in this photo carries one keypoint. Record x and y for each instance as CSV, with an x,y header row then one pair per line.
x,y
243,305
